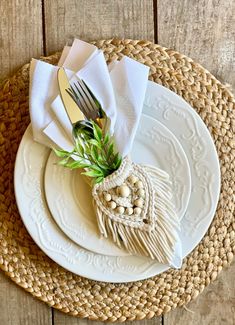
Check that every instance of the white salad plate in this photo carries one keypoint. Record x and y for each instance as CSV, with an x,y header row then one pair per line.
x,y
187,126
69,196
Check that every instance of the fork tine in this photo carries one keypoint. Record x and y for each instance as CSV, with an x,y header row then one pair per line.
x,y
84,96
75,94
75,97
88,94
93,98
81,99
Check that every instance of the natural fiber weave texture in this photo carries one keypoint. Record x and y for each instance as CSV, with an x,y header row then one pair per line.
x,y
30,268
154,231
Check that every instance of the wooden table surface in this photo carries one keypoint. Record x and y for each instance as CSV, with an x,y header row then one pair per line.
x,y
201,29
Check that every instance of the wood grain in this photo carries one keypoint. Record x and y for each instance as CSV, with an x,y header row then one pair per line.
x,y
20,40
20,34
216,305
17,307
96,19
203,30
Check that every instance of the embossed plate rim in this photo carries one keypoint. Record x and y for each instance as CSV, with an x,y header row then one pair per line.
x,y
182,108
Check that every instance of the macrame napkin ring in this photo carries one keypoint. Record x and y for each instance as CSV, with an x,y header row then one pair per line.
x,y
134,207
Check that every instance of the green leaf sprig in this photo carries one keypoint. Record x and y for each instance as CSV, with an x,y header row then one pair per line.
x,y
93,151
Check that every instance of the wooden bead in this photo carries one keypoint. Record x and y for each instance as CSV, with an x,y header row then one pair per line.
x,y
138,203
132,179
112,205
141,192
139,184
120,210
124,191
137,211
129,211
107,197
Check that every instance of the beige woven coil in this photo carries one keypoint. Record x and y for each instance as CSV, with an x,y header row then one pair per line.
x,y
30,268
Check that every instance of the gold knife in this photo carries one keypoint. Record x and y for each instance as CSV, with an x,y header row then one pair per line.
x,y
70,106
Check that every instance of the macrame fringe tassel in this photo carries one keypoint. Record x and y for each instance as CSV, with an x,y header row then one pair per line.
x,y
157,243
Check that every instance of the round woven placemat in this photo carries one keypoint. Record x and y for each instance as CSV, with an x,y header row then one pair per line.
x,y
30,268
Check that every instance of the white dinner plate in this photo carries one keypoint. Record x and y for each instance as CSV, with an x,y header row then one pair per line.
x,y
72,207
184,122
179,117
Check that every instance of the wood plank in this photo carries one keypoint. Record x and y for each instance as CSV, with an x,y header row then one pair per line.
x,y
20,39
216,305
96,19
62,319
19,307
203,30
20,34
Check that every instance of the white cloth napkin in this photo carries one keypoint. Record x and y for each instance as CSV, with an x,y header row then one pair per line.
x,y
120,89
43,90
126,76
95,73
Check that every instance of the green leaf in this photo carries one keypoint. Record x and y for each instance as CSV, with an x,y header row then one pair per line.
x,y
118,163
110,150
97,132
115,158
61,153
99,179
80,148
96,143
64,162
74,164
94,153
77,164
92,173
106,139
94,167
104,166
